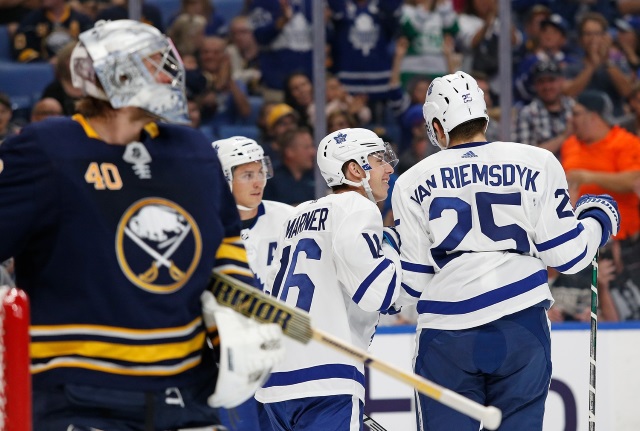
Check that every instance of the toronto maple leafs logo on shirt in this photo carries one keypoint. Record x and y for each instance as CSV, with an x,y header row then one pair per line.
x,y
340,138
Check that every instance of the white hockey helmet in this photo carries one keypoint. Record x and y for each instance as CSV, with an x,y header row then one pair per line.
x,y
355,144
239,150
452,100
135,65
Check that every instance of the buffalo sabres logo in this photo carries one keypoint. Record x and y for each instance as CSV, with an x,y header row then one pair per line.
x,y
340,138
158,245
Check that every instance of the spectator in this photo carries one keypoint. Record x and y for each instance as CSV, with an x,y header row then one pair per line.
x,y
44,108
545,122
280,119
337,120
61,87
338,99
187,33
298,93
430,26
150,13
531,31
477,38
44,31
243,50
362,32
494,112
226,100
632,121
572,294
601,158
404,104
551,47
602,68
7,129
90,8
626,41
293,181
419,149
283,31
216,24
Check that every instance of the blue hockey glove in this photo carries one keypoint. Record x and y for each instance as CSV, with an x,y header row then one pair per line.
x,y
602,208
394,309
391,236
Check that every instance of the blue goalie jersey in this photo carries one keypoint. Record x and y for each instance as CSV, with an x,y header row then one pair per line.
x,y
114,245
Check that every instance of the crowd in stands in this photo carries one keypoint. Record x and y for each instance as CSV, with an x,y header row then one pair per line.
x,y
576,89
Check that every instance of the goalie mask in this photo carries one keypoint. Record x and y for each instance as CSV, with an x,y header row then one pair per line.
x,y
452,100
129,63
238,150
356,144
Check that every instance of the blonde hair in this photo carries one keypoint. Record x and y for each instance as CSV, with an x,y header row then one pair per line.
x,y
184,33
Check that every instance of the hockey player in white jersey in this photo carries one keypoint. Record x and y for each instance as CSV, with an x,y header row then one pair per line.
x,y
247,170
479,224
332,263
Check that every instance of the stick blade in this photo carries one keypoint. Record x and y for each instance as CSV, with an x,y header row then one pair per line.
x,y
251,302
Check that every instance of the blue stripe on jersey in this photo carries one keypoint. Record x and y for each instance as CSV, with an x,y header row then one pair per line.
x,y
370,278
319,372
565,237
410,291
387,297
416,267
486,299
572,262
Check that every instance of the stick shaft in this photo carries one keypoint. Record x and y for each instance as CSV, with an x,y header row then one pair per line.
x,y
296,324
592,343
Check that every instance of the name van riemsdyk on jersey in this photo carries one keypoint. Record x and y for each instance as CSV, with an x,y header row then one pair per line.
x,y
489,175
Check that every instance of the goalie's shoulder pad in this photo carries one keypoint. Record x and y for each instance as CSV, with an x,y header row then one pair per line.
x,y
248,352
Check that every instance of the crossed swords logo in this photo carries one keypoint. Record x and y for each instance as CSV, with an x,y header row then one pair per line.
x,y
151,274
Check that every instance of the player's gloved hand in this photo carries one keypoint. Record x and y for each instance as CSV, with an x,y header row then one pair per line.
x,y
602,208
248,352
394,309
391,236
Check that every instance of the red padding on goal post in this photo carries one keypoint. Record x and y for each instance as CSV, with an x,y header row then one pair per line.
x,y
17,361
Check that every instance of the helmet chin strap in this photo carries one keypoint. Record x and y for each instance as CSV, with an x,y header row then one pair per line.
x,y
364,184
243,208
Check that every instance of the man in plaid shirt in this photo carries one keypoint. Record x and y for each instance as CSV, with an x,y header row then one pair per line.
x,y
544,121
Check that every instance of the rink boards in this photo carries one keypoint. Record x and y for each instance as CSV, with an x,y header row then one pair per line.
x,y
618,378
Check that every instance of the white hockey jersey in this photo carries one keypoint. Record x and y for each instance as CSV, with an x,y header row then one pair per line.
x,y
331,264
479,224
261,239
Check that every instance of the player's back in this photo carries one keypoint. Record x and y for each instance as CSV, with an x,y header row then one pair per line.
x,y
485,209
322,253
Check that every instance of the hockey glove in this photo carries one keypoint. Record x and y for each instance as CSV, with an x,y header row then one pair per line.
x,y
602,208
391,236
248,352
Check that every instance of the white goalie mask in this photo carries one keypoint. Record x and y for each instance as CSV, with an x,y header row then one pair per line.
x,y
129,63
356,144
452,100
238,150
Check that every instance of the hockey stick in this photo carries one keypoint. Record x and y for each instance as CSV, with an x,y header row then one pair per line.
x,y
373,425
592,343
296,324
